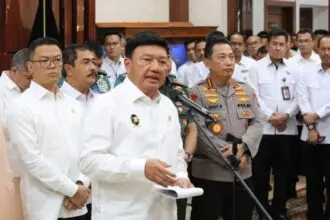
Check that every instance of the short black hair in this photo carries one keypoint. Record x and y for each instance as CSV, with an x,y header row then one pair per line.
x,y
215,34
210,44
110,33
189,41
145,38
20,59
276,32
96,47
306,31
321,38
263,34
235,33
41,42
70,54
321,32
262,50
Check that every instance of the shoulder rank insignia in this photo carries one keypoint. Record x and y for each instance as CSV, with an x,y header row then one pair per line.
x,y
212,100
240,93
135,120
243,99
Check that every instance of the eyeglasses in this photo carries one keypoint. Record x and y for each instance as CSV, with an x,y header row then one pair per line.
x,y
46,62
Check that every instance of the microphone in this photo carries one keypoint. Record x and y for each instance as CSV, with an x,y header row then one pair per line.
x,y
177,95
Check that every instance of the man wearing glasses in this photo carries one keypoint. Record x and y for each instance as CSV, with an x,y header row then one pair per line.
x,y
44,125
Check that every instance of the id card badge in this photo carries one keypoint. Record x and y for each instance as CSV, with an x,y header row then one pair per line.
x,y
286,93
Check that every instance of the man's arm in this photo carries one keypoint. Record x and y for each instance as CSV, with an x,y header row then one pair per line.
x,y
24,137
253,78
190,135
302,95
254,132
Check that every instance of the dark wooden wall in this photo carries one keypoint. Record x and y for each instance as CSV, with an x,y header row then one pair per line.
x,y
74,20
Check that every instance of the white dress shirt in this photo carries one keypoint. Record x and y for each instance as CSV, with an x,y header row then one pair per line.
x,y
123,129
199,73
174,70
185,69
306,64
84,100
241,71
268,83
45,130
313,96
9,91
113,69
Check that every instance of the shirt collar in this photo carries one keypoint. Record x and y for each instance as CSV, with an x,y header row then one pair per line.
x,y
10,83
244,61
314,57
73,92
321,70
270,62
120,61
41,92
134,94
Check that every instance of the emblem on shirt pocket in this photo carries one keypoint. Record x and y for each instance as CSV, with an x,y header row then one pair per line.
x,y
135,120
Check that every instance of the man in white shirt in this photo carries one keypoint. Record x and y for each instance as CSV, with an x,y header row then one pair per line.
x,y
186,68
314,103
44,125
306,60
113,63
307,57
253,44
138,143
80,73
12,84
242,63
200,71
274,79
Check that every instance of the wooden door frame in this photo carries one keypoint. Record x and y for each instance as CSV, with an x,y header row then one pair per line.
x,y
283,5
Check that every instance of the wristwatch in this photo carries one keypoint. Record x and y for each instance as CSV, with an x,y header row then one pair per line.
x,y
311,126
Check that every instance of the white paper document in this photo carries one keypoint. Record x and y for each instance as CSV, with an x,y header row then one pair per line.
x,y
175,192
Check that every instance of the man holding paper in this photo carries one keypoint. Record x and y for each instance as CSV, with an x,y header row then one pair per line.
x,y
138,144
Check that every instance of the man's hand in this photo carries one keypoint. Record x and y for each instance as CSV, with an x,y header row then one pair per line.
x,y
157,172
312,136
244,164
81,196
279,120
183,183
310,118
68,204
227,150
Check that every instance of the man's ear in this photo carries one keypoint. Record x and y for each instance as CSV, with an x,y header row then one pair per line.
x,y
127,63
68,69
207,63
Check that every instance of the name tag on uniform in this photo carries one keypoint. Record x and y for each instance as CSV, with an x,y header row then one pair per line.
x,y
286,93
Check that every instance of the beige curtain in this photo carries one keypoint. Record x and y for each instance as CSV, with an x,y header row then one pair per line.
x,y
10,201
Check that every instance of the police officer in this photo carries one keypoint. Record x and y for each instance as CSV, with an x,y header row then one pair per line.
x,y
235,107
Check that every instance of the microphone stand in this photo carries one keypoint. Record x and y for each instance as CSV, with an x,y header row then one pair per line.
x,y
237,176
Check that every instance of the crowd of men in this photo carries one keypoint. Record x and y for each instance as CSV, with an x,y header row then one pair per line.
x,y
91,129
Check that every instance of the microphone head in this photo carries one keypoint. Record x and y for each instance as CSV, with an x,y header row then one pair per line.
x,y
174,93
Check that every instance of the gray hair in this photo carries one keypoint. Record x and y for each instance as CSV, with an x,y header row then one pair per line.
x,y
20,59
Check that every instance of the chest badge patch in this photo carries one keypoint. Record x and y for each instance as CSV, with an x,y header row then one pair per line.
x,y
135,120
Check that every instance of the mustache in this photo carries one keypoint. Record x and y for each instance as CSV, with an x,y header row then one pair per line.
x,y
93,73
